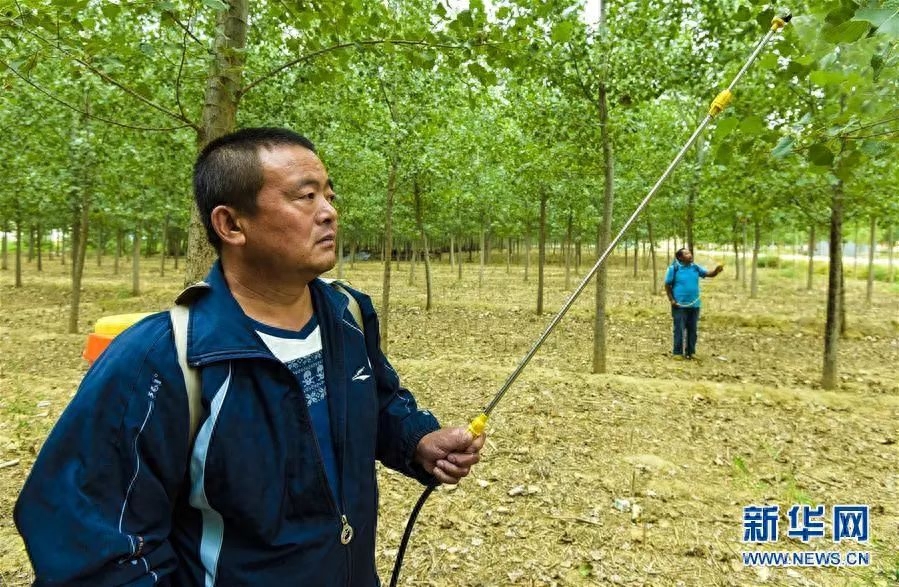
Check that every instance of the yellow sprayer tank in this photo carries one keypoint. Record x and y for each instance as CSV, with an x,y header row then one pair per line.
x,y
105,329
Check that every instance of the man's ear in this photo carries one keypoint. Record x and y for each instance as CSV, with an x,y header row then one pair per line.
x,y
226,222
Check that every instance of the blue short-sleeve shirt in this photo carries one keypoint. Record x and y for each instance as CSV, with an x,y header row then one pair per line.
x,y
684,280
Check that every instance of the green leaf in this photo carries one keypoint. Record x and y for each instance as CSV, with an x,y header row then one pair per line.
x,y
874,148
769,61
110,10
743,14
216,5
784,147
819,154
724,155
484,75
847,165
847,32
826,78
885,19
752,125
876,16
561,33
725,127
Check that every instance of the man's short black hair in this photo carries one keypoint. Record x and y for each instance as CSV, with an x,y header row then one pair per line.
x,y
228,171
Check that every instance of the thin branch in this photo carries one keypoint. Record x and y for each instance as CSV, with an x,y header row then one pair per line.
x,y
871,136
186,29
387,100
873,124
178,78
82,112
340,46
112,81
579,78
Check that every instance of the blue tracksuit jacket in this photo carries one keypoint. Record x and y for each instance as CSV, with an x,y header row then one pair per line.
x,y
118,497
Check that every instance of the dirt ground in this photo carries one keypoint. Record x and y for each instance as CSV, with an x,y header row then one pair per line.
x,y
634,477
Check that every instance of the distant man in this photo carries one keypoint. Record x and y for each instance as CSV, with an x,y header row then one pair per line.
x,y
682,287
278,486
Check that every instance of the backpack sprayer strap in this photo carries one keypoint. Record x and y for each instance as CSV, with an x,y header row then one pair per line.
x,y
180,316
352,304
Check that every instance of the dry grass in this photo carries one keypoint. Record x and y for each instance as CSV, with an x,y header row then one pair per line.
x,y
690,443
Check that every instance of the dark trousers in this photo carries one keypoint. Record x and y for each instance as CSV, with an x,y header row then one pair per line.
x,y
685,322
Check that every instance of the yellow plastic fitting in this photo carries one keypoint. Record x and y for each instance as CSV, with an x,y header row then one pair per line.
x,y
778,23
720,102
477,426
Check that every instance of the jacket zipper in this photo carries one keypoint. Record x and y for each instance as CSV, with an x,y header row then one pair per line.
x,y
346,530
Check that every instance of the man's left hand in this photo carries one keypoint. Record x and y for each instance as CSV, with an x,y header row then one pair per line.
x,y
449,453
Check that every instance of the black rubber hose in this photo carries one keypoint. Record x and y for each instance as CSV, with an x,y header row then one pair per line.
x,y
408,533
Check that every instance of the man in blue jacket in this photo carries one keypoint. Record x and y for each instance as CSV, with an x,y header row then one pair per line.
x,y
682,287
278,486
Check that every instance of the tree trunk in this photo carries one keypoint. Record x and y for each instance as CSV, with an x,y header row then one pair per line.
x,y
541,251
384,314
636,251
603,233
459,259
80,224
135,262
99,244
736,250
652,258
4,250
483,257
452,252
509,257
691,209
119,245
568,251
811,259
855,252
40,246
527,255
79,251
223,83
62,247
832,325
31,240
419,219
890,267
18,253
577,256
165,245
177,248
354,246
745,246
872,243
413,258
756,244
843,322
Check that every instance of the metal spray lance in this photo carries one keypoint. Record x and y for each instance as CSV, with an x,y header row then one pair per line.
x,y
478,424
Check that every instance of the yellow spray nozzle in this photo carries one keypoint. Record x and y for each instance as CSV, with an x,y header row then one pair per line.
x,y
720,102
477,426
779,22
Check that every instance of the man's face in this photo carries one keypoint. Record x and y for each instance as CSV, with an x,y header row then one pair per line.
x,y
686,257
294,229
